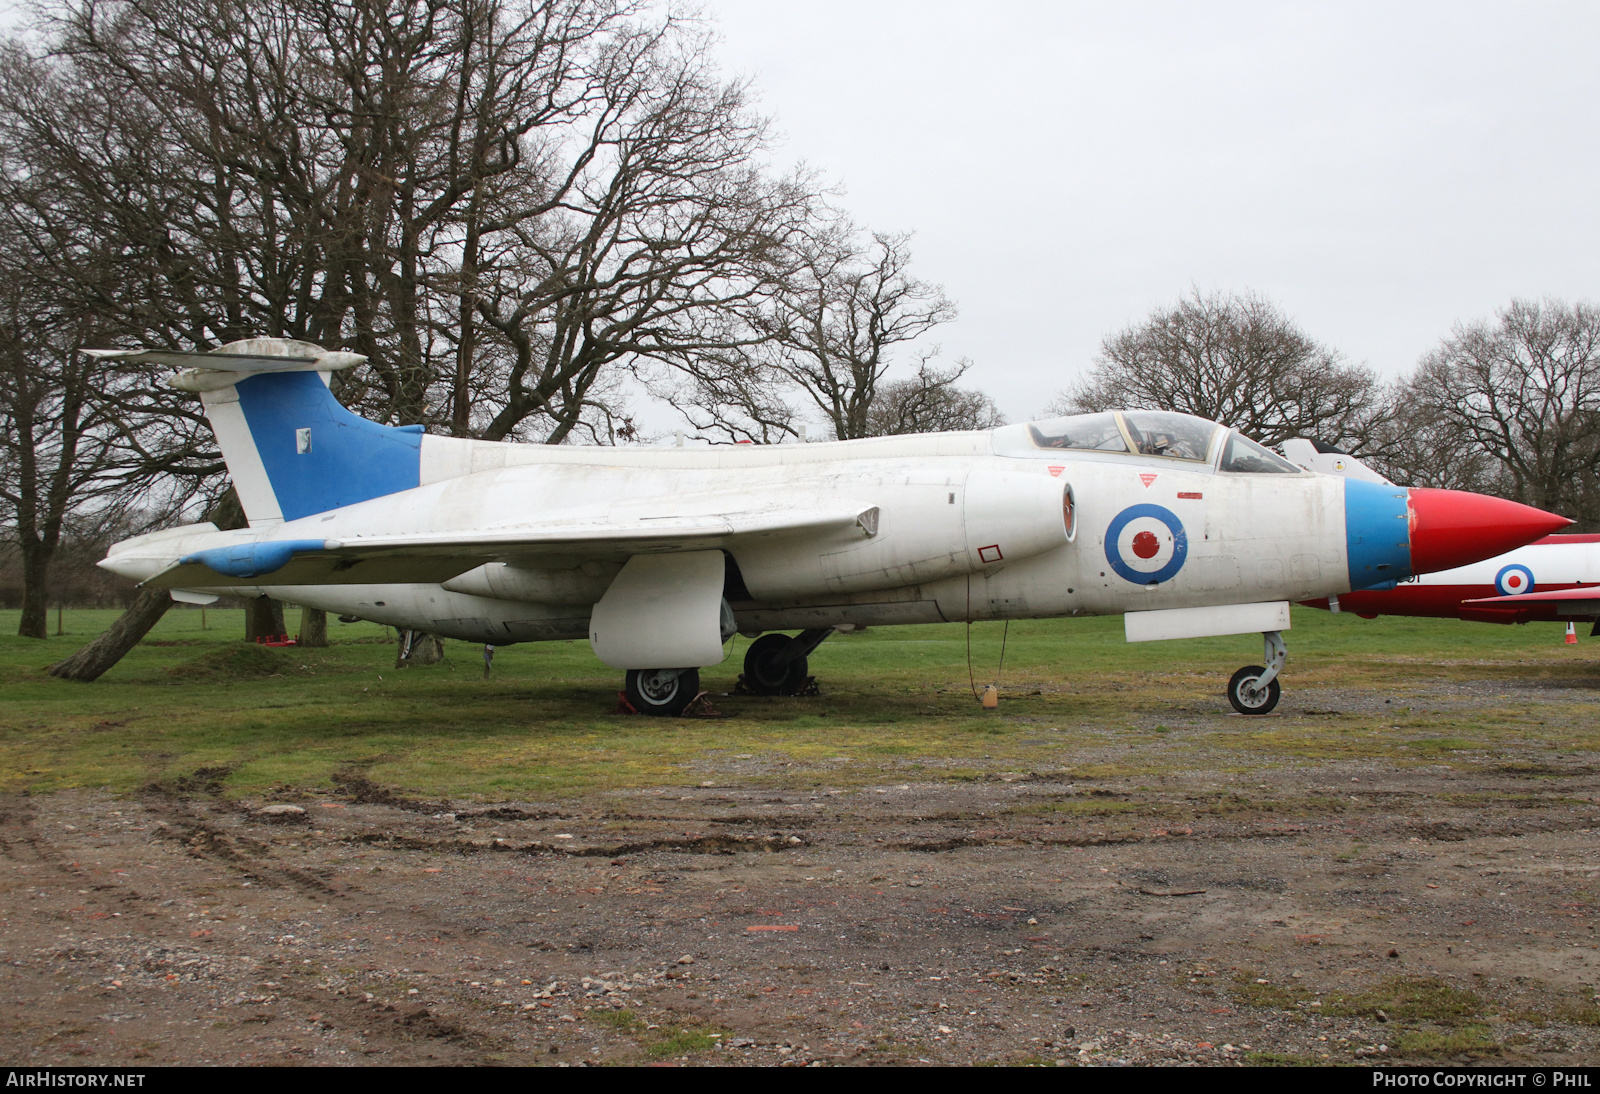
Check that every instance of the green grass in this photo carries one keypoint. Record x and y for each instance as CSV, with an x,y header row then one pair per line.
x,y
1473,1040
897,706
1402,998
623,1021
1247,990
1432,1019
1280,1059
684,1042
1032,1060
1582,1011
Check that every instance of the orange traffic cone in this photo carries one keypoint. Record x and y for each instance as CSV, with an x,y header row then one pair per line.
x,y
1572,635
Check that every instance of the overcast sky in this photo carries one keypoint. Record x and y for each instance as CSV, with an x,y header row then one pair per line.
x,y
1381,170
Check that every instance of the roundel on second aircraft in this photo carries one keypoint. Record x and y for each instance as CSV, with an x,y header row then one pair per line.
x,y
1513,579
1146,544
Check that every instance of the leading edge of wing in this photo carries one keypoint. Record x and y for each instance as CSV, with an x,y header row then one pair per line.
x,y
432,557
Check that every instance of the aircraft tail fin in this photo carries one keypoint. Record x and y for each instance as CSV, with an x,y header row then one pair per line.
x,y
1327,460
291,448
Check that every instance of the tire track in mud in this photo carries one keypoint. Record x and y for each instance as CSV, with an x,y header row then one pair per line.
x,y
397,1029
390,1029
242,854
1442,831
18,841
719,844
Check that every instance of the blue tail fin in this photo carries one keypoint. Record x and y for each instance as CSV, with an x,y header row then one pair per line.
x,y
291,449
316,454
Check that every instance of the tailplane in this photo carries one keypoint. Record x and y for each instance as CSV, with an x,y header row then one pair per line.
x,y
291,448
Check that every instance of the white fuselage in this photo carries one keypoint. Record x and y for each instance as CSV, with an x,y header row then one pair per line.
x,y
968,526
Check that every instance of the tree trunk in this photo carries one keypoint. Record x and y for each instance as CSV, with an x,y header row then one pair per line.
x,y
313,627
35,602
227,514
109,648
263,618
419,648
144,612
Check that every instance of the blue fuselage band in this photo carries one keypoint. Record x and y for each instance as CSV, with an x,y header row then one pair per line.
x,y
1377,533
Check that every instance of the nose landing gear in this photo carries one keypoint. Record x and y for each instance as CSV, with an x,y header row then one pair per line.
x,y
1254,689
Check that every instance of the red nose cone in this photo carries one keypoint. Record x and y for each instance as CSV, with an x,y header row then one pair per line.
x,y
1451,528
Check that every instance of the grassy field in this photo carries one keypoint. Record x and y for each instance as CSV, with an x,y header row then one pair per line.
x,y
896,704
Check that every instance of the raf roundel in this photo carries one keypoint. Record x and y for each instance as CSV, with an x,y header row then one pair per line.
x,y
1146,544
1513,579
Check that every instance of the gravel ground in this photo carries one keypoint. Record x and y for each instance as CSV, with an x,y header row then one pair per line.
x,y
1262,910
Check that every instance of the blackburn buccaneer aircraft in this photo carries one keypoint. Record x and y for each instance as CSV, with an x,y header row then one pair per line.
x,y
1554,579
657,556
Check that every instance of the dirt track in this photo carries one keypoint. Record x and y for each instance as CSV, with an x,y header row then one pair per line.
x,y
1328,913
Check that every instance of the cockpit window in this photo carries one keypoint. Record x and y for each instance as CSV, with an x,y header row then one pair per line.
x,y
1243,454
1094,432
1176,436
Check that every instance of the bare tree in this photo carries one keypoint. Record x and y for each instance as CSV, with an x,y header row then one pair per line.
x,y
55,444
303,169
835,335
822,342
665,239
732,396
1524,391
500,202
78,437
930,402
495,200
1235,358
1416,445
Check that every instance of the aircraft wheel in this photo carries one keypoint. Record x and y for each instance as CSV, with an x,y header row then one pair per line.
x,y
1246,697
662,692
766,673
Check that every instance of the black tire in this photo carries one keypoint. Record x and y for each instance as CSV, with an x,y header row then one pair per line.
x,y
764,671
1246,697
655,692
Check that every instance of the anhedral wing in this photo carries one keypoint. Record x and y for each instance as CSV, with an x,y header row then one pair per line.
x,y
658,555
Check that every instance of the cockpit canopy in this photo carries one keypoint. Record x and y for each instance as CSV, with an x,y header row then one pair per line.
x,y
1159,433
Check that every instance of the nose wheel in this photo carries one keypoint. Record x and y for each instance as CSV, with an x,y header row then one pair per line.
x,y
1254,689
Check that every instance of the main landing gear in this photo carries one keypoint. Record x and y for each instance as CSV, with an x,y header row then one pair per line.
x,y
1254,688
662,692
775,664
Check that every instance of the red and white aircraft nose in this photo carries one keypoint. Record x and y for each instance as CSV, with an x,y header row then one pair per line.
x,y
1451,528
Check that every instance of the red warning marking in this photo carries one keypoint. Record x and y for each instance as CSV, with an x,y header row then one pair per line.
x,y
990,553
1190,494
1147,478
1145,545
1055,472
